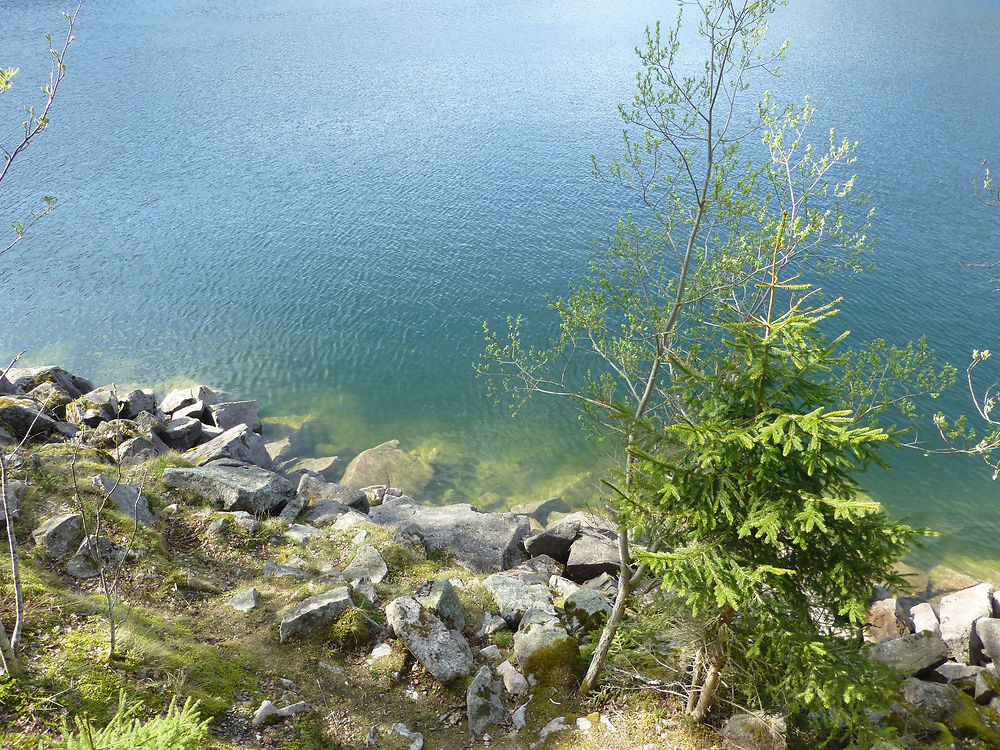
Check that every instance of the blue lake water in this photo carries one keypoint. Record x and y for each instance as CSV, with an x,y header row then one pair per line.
x,y
317,204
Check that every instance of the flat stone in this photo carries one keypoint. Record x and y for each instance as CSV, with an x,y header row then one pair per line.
x,y
388,464
229,414
303,533
244,601
911,654
367,564
480,542
315,612
274,570
237,444
231,488
442,651
958,613
59,535
130,501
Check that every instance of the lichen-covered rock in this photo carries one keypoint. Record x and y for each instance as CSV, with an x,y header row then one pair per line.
x,y
229,414
26,379
367,564
53,398
238,444
515,597
90,409
483,701
388,464
138,450
911,654
130,501
314,612
959,612
59,535
444,652
230,488
480,542
586,609
443,601
545,651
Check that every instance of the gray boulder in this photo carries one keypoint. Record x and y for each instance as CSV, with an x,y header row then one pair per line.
x,y
229,414
367,564
130,501
959,612
988,630
303,533
483,701
480,542
53,398
181,433
442,600
444,652
238,444
554,542
938,702
314,612
230,488
59,535
590,555
18,416
139,449
293,509
911,654
388,464
134,401
515,597
961,676
924,618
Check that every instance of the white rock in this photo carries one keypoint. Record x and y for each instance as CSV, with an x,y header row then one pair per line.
x,y
959,612
924,619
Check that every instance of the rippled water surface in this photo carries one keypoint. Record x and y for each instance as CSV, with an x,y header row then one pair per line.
x,y
317,204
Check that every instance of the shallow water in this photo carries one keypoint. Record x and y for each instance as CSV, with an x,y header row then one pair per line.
x,y
318,204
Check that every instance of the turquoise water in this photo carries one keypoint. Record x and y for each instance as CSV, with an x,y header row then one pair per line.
x,y
317,205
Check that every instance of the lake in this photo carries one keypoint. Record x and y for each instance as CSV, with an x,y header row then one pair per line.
x,y
318,204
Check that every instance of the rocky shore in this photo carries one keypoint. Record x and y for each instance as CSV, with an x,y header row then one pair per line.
x,y
501,616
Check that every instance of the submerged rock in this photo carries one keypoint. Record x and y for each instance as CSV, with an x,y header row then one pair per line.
x,y
388,464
